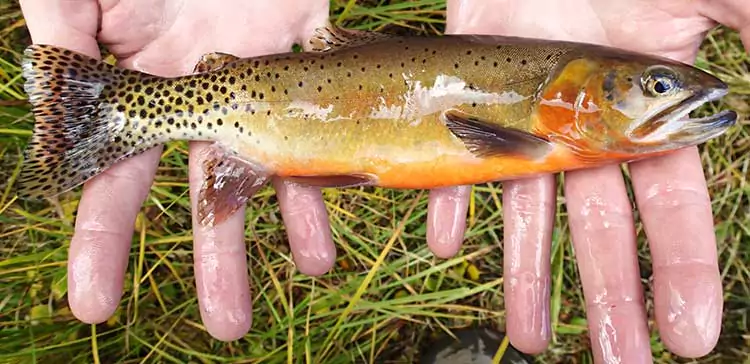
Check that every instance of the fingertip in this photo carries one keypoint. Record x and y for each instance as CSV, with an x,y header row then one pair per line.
x,y
688,303
95,278
308,228
533,344
446,220
528,312
315,269
92,311
229,329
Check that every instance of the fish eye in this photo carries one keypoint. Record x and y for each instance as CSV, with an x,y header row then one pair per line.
x,y
659,81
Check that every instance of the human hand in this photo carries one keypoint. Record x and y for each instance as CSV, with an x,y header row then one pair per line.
x,y
670,191
166,38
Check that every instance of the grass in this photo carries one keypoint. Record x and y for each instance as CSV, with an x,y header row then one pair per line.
x,y
405,295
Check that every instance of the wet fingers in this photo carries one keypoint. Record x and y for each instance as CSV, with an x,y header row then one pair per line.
x,y
528,211
308,229
676,211
221,276
446,219
99,249
602,230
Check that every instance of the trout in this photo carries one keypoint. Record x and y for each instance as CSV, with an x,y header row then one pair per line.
x,y
365,108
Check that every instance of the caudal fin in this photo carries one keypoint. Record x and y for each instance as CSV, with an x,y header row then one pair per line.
x,y
75,135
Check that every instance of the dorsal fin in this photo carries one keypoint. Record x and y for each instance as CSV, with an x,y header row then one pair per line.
x,y
331,37
213,61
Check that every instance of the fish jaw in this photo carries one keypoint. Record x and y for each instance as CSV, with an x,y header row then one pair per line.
x,y
676,128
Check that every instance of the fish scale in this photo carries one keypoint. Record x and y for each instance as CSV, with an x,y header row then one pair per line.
x,y
365,108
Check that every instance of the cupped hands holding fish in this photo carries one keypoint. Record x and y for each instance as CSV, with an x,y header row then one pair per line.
x,y
671,193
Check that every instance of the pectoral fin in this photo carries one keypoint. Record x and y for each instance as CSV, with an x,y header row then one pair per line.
x,y
331,37
229,182
485,139
213,61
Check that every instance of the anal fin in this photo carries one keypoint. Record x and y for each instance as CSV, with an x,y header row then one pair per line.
x,y
229,183
334,181
213,61
332,37
486,139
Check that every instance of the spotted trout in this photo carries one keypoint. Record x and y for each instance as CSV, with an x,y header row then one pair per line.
x,y
367,109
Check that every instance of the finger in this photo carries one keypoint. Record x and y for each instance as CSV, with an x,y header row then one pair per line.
x,y
602,230
673,200
446,219
447,207
528,211
732,13
306,220
302,207
67,24
221,277
103,231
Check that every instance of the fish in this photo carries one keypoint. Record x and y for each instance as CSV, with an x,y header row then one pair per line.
x,y
365,108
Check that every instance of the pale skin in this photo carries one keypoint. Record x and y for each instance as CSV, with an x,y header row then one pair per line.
x,y
160,37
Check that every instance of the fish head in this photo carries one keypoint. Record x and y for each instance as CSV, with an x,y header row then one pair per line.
x,y
628,104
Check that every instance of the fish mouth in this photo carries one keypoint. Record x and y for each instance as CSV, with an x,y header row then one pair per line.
x,y
674,125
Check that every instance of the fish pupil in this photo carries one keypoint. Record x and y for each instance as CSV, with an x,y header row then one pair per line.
x,y
661,86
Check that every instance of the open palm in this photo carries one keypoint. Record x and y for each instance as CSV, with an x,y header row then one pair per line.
x,y
670,193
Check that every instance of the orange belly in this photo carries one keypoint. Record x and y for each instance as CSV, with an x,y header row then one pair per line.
x,y
440,172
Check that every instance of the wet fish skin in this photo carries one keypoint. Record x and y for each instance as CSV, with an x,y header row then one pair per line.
x,y
397,112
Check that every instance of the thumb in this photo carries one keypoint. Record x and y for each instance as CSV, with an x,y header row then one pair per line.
x,y
68,24
732,13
